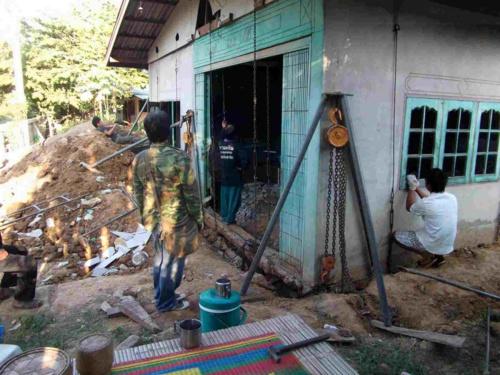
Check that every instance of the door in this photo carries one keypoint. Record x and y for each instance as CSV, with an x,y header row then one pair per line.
x,y
295,108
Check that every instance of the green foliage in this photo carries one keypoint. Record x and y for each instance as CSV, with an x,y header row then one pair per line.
x,y
43,329
65,74
6,71
385,359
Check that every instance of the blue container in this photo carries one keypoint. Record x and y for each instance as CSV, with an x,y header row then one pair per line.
x,y
217,312
2,333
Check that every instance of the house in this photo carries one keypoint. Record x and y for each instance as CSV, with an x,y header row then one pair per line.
x,y
430,67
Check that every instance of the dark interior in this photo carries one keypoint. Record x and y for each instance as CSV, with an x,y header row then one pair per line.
x,y
232,98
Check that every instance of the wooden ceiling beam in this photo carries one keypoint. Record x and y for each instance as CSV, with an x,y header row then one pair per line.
x,y
130,49
156,21
138,36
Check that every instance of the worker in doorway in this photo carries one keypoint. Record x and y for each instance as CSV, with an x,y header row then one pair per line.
x,y
113,132
232,161
19,270
166,192
439,212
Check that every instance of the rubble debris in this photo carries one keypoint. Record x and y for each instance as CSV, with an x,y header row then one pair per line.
x,y
90,202
88,215
110,251
100,179
257,202
139,238
33,234
139,258
111,312
130,307
60,229
36,220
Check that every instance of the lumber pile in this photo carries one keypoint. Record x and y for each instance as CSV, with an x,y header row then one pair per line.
x,y
243,246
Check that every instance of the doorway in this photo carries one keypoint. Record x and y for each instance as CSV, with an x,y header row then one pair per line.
x,y
232,96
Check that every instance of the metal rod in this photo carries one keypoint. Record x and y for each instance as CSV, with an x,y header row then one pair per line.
x,y
138,116
366,215
44,210
452,283
487,359
118,217
114,154
195,154
283,196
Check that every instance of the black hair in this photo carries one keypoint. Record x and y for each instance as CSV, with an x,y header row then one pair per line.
x,y
157,127
95,121
436,179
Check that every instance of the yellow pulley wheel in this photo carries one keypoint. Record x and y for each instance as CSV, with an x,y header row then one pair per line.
x,y
337,136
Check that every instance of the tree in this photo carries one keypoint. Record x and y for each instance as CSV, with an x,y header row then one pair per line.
x,y
6,72
65,75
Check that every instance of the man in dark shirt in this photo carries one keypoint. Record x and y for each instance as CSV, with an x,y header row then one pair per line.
x,y
232,161
112,132
19,270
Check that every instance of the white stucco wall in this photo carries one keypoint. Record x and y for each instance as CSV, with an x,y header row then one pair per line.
x,y
435,42
172,79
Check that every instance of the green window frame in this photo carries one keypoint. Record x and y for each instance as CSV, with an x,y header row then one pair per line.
x,y
461,137
486,161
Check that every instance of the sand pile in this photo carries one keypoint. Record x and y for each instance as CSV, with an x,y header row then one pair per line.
x,y
53,169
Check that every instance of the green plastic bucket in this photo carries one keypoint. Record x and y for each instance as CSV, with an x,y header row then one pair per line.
x,y
218,312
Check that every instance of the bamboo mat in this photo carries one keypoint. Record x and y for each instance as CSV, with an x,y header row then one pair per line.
x,y
318,359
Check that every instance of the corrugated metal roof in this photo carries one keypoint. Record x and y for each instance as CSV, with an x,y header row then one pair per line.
x,y
135,31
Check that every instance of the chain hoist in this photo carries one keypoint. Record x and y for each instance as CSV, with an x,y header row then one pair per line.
x,y
338,137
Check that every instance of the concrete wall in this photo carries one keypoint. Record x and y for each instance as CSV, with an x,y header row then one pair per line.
x,y
443,53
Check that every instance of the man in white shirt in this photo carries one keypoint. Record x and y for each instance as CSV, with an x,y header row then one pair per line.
x,y
439,211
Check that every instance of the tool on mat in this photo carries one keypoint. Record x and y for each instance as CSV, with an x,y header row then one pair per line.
x,y
278,350
93,167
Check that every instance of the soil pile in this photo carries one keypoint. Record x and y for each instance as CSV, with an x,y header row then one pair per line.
x,y
257,204
425,304
53,169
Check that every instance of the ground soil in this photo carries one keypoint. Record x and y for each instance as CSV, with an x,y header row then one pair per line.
x,y
72,307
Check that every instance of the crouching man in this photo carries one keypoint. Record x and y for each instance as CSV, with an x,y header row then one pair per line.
x,y
439,211
19,269
166,192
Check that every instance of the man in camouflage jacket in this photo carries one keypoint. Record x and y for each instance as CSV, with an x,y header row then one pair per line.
x,y
166,191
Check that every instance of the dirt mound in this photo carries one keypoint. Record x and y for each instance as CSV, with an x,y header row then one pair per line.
x,y
422,303
53,169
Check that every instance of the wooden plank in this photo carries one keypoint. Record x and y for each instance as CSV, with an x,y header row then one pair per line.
x,y
438,338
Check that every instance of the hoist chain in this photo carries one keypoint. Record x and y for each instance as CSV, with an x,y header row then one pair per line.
x,y
340,170
329,203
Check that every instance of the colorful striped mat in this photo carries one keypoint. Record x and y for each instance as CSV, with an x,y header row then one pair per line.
x,y
243,357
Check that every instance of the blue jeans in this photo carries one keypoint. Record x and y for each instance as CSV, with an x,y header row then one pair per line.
x,y
167,275
230,202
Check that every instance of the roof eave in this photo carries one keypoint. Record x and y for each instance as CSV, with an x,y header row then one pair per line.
x,y
116,28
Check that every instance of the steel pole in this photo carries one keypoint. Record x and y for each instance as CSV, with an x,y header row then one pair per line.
x,y
452,283
138,116
366,215
283,196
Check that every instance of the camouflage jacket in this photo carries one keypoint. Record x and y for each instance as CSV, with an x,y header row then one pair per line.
x,y
175,184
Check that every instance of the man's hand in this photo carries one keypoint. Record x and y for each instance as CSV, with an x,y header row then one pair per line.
x,y
3,254
412,181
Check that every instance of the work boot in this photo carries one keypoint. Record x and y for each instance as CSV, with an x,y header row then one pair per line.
x,y
26,305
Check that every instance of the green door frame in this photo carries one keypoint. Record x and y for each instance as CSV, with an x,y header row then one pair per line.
x,y
282,26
